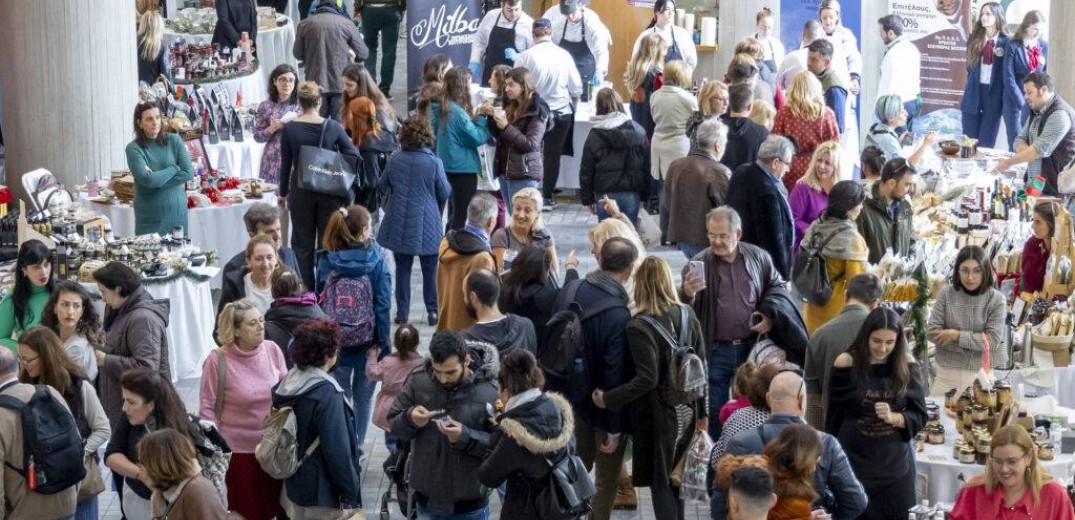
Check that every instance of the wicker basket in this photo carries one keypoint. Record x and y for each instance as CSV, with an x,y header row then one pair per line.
x,y
1060,346
124,188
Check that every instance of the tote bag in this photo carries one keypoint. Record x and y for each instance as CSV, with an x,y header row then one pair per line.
x,y
326,172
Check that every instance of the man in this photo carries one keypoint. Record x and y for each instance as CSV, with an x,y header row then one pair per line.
x,y
600,433
885,221
841,492
463,251
795,61
744,136
20,501
326,43
900,66
758,195
557,80
750,496
502,34
380,19
442,412
819,62
1047,141
695,185
581,34
734,278
263,219
507,332
863,294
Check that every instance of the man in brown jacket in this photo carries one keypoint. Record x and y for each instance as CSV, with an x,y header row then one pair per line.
x,y
463,251
19,503
696,184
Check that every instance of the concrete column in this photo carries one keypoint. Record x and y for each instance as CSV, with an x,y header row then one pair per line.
x,y
70,85
1061,42
736,20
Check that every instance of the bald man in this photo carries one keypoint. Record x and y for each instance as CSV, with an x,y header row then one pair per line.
x,y
842,494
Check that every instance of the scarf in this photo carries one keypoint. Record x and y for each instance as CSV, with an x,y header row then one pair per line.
x,y
987,52
606,283
845,242
1033,57
610,120
829,78
520,399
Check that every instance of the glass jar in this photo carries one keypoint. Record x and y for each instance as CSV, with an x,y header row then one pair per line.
x,y
951,399
1046,451
936,435
982,454
967,455
1004,393
980,413
989,399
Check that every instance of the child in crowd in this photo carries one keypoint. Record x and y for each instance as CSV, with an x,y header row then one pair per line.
x,y
763,113
392,372
739,391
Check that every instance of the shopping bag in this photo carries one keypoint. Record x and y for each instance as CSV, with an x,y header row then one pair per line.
x,y
695,467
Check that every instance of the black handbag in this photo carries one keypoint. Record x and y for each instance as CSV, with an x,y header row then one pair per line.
x,y
810,274
326,172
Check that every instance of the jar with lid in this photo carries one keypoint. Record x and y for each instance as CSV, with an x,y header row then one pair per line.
x,y
951,399
967,416
1004,393
983,449
936,435
967,455
1046,451
989,399
980,413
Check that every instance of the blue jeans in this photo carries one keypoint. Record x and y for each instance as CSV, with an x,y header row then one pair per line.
x,y
478,514
691,249
508,188
87,509
361,392
724,360
403,282
626,200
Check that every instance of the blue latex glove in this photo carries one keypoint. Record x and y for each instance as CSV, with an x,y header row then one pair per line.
x,y
597,79
510,54
475,69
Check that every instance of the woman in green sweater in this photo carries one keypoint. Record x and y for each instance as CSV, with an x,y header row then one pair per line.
x,y
161,167
22,309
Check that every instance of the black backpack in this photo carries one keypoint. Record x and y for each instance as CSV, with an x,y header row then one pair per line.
x,y
810,274
51,446
565,343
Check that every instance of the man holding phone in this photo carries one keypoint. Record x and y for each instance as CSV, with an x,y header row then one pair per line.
x,y
724,283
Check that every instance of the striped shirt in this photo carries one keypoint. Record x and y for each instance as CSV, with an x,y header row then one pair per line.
x,y
1045,141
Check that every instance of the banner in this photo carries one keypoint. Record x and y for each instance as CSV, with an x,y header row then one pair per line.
x,y
439,27
795,13
939,28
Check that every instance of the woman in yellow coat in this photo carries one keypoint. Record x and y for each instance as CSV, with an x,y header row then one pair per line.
x,y
845,253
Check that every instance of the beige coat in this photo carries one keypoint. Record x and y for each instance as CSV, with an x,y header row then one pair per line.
x,y
194,498
19,502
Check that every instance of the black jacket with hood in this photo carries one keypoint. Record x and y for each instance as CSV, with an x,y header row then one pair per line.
x,y
744,139
507,334
615,158
519,144
285,315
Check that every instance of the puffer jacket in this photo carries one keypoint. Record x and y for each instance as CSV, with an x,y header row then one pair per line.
x,y
530,433
418,189
137,337
358,260
458,138
519,144
444,474
615,158
285,315
880,232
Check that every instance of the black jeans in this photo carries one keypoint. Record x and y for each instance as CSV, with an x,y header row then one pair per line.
x,y
332,105
464,186
403,282
309,216
555,140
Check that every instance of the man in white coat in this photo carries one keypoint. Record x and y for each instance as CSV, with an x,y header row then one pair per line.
x,y
900,66
502,35
581,34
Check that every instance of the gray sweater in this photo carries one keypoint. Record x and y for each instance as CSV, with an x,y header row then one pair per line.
x,y
971,315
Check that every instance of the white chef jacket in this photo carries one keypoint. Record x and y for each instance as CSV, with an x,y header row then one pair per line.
x,y
523,37
556,78
596,36
900,71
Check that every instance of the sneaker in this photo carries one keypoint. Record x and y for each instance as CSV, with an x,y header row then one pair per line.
x,y
549,204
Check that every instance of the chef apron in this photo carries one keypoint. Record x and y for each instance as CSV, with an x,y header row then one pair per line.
x,y
771,62
673,50
584,59
500,40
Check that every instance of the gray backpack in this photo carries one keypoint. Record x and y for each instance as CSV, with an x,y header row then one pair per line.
x,y
278,451
685,379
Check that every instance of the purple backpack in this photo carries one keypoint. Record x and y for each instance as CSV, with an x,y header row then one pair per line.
x,y
349,301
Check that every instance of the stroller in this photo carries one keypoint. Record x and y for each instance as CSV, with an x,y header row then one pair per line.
x,y
398,468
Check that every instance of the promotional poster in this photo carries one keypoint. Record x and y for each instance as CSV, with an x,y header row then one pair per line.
x,y
439,27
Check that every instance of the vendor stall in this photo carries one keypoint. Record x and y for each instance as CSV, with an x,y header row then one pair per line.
x,y
273,46
238,159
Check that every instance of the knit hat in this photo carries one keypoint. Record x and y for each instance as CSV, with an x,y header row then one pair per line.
x,y
888,107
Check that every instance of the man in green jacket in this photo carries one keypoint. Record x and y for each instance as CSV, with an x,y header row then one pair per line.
x,y
885,221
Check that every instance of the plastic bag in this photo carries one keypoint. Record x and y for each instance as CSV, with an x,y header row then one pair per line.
x,y
695,467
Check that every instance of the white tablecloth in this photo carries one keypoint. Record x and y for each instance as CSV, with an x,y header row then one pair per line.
x,y
942,471
219,228
237,159
252,86
569,165
273,47
1062,380
191,320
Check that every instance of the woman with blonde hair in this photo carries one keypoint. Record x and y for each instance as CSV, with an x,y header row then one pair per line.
x,y
672,107
763,113
806,121
616,227
809,198
180,492
525,229
712,102
152,56
645,75
1014,485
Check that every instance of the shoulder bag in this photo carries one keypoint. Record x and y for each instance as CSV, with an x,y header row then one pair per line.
x,y
324,171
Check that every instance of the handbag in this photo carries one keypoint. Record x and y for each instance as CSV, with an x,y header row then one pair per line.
x,y
810,274
93,484
326,172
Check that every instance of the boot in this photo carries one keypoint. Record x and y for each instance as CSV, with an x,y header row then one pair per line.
x,y
625,492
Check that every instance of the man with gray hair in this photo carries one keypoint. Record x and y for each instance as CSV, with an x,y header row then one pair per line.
x,y
696,184
263,219
759,196
463,251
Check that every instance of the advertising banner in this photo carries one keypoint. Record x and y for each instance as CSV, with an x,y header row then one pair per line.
x,y
795,13
939,29
439,27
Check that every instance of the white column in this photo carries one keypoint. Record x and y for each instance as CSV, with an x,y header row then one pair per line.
x,y
70,85
737,20
1061,43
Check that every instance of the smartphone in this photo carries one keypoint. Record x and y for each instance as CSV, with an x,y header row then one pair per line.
x,y
698,268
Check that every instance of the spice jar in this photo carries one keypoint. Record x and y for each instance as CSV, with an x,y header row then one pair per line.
x,y
989,399
935,435
956,446
1004,393
983,443
1046,451
980,413
967,455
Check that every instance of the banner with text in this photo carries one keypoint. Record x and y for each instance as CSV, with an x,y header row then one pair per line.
x,y
439,27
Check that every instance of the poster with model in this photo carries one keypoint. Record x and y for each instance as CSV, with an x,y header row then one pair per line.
x,y
439,27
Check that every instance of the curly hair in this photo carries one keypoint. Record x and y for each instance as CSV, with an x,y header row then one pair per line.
x,y
315,342
89,324
416,133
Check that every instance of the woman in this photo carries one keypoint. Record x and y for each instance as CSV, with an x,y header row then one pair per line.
x,y
161,167
525,229
44,363
672,106
291,306
806,121
769,37
967,314
25,305
519,131
843,41
70,314
748,418
375,144
270,118
309,211
412,223
248,366
843,248
754,48
180,492
613,227
233,18
809,198
357,83
149,404
793,458
1036,251
876,406
712,102
662,430
433,72
254,280
534,429
458,137
528,290
871,160
679,40
137,326
644,75
983,97
743,70
1026,52
1014,486
615,159
763,113
153,59
328,480
352,255
892,115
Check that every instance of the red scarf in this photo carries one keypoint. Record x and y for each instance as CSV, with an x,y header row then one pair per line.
x,y
987,52
1033,58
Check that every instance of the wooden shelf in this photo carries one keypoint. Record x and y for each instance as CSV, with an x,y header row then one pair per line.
x,y
706,48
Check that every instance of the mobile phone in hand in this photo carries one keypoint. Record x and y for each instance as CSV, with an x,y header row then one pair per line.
x,y
697,267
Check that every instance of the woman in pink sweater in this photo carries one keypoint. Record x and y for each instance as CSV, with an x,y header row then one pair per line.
x,y
392,372
249,366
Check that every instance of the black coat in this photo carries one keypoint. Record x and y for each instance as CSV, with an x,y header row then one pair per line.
x,y
234,17
536,302
762,203
614,160
519,144
789,330
744,139
285,315
232,289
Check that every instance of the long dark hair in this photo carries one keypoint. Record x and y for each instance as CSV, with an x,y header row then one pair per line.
x,y
843,197
139,135
530,267
88,326
168,409
658,6
31,252
978,35
1030,18
880,318
57,370
367,87
456,90
280,70
516,108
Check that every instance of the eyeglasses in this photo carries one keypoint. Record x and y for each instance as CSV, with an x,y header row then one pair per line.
x,y
1009,462
26,362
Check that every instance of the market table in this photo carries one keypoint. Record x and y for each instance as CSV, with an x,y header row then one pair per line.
x,y
252,86
237,159
273,47
191,318
1058,382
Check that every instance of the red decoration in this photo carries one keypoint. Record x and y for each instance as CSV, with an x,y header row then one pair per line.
x,y
5,194
190,203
